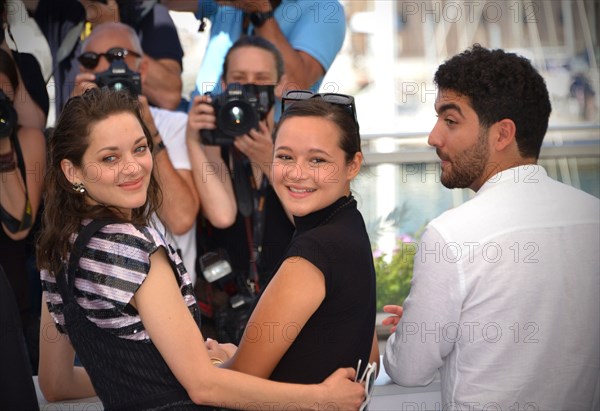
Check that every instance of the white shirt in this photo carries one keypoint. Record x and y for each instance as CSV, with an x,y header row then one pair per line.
x,y
505,299
171,125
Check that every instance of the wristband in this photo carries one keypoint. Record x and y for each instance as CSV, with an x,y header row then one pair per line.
x,y
216,361
258,19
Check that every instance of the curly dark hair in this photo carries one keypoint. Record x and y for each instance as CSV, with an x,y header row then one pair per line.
x,y
501,85
64,209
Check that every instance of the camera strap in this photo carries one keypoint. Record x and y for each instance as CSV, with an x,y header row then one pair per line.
x,y
255,229
12,224
251,204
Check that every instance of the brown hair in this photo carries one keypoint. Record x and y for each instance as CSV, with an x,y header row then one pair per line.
x,y
64,208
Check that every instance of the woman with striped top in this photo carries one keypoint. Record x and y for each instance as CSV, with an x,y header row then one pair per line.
x,y
116,291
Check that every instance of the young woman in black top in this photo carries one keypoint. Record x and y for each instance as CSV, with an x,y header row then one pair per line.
x,y
317,313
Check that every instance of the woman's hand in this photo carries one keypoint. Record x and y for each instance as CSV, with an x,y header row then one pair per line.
x,y
342,392
257,145
200,117
222,352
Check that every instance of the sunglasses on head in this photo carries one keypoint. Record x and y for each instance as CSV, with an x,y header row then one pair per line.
x,y
90,59
333,98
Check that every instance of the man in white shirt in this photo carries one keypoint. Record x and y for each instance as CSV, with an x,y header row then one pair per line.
x,y
506,288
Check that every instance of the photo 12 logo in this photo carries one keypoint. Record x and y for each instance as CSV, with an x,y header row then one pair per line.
x,y
470,11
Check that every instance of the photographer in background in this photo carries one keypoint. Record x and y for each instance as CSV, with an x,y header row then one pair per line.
x,y
243,254
31,97
66,23
112,56
22,164
308,34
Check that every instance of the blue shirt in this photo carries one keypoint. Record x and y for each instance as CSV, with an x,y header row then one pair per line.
x,y
316,27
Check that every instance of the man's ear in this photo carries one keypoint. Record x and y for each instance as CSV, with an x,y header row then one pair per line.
x,y
506,131
70,171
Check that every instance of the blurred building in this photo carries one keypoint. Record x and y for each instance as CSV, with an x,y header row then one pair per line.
x,y
394,48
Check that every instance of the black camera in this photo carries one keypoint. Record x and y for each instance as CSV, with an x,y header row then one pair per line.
x,y
238,110
8,116
118,77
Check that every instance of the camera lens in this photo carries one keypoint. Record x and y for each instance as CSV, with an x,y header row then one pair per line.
x,y
118,86
122,84
236,118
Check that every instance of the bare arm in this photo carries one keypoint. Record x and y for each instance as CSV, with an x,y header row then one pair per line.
x,y
59,379
180,199
301,69
294,294
162,83
180,342
181,5
211,174
181,203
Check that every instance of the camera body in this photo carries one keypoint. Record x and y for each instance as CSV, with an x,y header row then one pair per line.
x,y
238,110
8,116
119,77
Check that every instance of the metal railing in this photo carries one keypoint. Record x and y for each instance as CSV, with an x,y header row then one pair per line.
x,y
571,140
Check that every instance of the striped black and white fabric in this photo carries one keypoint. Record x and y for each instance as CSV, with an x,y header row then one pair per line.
x,y
114,264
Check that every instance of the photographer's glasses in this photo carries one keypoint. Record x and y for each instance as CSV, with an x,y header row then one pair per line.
x,y
90,59
333,98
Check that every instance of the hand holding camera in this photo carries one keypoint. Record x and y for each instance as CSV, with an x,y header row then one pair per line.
x,y
257,145
120,77
83,82
201,116
117,77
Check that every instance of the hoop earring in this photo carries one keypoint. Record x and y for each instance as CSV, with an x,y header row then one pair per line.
x,y
79,187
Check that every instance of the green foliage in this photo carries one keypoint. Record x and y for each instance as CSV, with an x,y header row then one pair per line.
x,y
394,277
394,273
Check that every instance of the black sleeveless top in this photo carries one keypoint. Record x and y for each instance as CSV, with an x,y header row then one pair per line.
x,y
340,332
126,374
